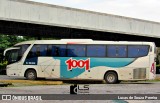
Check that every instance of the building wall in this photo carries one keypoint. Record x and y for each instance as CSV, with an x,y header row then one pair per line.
x,y
45,14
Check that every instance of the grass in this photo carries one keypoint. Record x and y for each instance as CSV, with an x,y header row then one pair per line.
x,y
30,82
20,83
157,79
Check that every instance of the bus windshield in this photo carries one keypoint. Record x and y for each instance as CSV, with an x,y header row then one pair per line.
x,y
15,53
12,56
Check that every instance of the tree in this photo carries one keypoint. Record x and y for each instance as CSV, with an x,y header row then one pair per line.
x,y
10,40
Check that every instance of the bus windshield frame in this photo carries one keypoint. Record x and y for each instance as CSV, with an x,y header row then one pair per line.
x,y
15,53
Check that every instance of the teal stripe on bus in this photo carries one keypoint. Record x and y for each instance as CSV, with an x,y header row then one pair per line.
x,y
94,62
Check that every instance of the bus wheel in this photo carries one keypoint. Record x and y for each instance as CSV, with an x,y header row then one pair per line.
x,y
31,75
111,78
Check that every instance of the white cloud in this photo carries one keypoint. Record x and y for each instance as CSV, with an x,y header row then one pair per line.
x,y
76,1
143,9
148,9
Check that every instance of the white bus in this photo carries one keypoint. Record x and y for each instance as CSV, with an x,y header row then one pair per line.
x,y
82,59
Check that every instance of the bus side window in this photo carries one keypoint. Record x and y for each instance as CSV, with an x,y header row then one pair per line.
x,y
29,55
37,50
111,51
22,50
49,50
137,51
143,50
33,52
42,50
54,50
122,51
115,51
96,50
76,51
62,50
59,50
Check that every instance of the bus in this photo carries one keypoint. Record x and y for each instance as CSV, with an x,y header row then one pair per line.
x,y
82,59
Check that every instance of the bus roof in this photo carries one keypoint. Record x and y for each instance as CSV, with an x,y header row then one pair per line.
x,y
80,41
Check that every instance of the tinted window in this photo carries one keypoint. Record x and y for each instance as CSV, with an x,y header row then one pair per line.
x,y
116,51
58,50
137,51
111,51
21,51
96,50
47,50
13,57
122,51
33,52
37,50
23,48
42,50
76,50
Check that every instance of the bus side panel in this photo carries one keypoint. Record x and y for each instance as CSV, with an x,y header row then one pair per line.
x,y
71,67
48,67
136,70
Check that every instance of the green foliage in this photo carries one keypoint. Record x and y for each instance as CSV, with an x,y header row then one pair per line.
x,y
9,40
158,69
158,66
157,61
3,64
2,67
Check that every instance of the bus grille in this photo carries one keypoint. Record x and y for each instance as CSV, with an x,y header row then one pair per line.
x,y
139,73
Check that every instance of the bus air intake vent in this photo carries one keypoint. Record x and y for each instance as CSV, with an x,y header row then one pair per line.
x,y
139,73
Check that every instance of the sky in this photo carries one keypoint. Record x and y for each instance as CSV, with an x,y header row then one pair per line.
x,y
141,9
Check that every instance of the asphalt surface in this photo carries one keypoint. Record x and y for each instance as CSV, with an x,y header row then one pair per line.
x,y
122,88
4,77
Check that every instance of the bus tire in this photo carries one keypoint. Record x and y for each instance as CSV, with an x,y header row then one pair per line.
x,y
111,78
31,75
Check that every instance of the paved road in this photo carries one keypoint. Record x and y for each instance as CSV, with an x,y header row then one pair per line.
x,y
4,77
123,88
